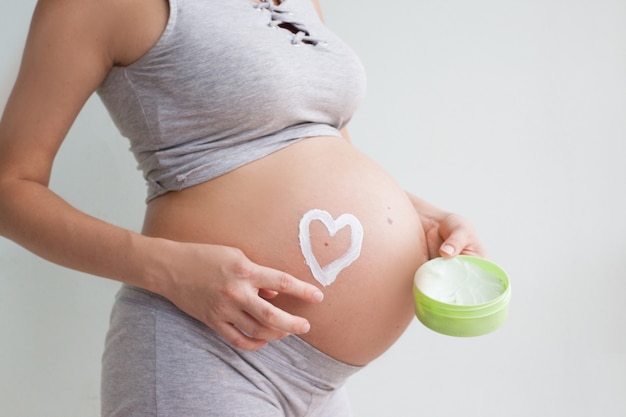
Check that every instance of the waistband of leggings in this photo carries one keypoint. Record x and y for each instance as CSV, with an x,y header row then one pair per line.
x,y
326,370
292,348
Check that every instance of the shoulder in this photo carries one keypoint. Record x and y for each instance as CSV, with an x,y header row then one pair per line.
x,y
120,31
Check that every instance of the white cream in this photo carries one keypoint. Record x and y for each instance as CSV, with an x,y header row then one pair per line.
x,y
454,281
328,274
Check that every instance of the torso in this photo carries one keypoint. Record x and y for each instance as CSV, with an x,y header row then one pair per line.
x,y
258,207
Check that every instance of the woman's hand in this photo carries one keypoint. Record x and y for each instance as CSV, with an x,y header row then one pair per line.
x,y
222,288
452,235
447,234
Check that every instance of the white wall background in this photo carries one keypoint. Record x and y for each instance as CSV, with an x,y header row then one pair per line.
x,y
512,112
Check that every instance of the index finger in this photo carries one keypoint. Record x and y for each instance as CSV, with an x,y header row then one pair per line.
x,y
284,283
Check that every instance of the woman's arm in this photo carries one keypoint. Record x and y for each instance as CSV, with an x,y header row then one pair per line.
x,y
71,47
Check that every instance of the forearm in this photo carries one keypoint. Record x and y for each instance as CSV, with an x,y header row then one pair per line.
x,y
42,222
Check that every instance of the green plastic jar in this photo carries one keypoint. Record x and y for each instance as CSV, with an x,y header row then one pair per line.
x,y
438,308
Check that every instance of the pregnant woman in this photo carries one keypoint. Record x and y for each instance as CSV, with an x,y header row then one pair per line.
x,y
275,258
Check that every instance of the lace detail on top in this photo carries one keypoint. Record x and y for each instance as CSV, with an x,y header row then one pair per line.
x,y
285,19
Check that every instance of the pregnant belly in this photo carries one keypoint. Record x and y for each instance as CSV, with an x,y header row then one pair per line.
x,y
259,207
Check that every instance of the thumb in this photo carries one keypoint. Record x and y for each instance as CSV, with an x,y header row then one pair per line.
x,y
457,244
449,248
458,234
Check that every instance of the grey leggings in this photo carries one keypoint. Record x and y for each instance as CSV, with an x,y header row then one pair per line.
x,y
159,362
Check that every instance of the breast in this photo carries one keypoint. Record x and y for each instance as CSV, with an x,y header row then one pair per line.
x,y
260,207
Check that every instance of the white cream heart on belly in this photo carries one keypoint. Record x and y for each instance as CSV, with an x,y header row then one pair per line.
x,y
328,274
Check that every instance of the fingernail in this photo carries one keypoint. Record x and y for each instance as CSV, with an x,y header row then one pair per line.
x,y
306,328
318,296
448,249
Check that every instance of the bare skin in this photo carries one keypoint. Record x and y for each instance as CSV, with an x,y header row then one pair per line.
x,y
71,47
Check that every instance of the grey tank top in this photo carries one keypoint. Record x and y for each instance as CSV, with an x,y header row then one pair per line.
x,y
229,82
